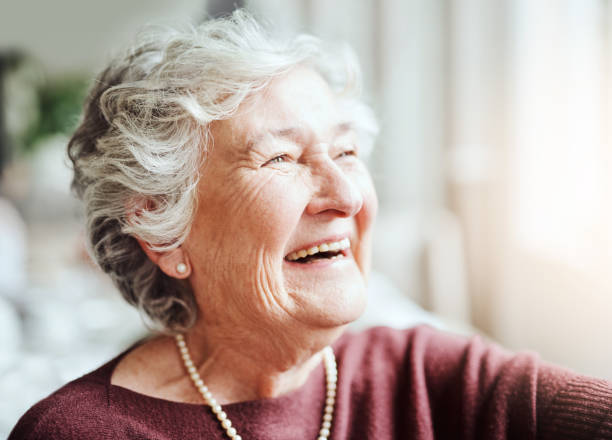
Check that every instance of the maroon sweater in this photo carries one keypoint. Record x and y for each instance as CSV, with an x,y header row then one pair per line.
x,y
413,384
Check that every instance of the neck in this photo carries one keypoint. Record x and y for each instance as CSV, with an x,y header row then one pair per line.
x,y
254,366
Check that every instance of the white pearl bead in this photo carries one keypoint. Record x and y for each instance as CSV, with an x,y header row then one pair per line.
x,y
331,380
181,268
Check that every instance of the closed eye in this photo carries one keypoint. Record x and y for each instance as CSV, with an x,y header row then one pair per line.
x,y
278,159
350,152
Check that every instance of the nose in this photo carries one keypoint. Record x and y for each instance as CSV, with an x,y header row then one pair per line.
x,y
335,192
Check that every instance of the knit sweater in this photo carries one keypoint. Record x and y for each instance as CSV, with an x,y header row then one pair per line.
x,y
411,384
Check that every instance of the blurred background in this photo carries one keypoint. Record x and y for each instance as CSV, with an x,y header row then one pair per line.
x,y
493,169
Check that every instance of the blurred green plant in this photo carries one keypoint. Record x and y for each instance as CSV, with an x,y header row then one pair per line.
x,y
60,101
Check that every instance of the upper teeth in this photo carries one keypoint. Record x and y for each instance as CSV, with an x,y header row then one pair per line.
x,y
325,247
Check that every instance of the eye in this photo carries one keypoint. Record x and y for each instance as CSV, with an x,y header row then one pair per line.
x,y
278,159
349,151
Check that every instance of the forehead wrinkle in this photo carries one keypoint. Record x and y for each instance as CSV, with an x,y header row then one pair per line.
x,y
288,133
343,128
294,133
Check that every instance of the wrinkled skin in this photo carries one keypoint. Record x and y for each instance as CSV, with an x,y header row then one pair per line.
x,y
283,174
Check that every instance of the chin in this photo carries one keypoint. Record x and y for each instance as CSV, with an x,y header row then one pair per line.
x,y
336,308
352,310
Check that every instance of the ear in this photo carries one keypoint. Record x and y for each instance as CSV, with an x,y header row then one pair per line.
x,y
174,263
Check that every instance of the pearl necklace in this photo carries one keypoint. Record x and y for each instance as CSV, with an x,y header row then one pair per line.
x,y
331,374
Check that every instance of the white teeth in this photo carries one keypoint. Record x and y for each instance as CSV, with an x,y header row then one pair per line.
x,y
323,247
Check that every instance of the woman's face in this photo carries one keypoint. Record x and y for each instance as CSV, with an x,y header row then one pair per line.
x,y
282,179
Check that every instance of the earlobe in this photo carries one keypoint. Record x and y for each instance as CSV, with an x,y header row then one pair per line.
x,y
174,263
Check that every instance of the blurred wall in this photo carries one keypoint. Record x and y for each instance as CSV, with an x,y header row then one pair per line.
x,y
69,35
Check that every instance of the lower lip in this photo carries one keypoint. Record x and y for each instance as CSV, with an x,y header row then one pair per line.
x,y
323,262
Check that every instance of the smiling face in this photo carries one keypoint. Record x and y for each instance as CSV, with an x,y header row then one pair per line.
x,y
281,238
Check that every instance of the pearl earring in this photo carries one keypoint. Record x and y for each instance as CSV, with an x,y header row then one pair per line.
x,y
181,268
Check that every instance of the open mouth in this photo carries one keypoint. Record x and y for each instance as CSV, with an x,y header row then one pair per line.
x,y
324,251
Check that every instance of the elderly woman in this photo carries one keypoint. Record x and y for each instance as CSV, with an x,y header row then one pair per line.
x,y
226,197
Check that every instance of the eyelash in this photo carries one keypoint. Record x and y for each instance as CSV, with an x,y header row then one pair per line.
x,y
278,159
285,157
351,152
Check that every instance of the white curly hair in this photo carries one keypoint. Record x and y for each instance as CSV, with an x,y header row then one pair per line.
x,y
144,134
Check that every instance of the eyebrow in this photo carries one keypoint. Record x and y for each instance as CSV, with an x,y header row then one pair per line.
x,y
294,132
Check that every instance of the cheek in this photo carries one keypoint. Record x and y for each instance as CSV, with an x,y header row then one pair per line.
x,y
365,222
227,226
280,205
367,215
255,214
274,216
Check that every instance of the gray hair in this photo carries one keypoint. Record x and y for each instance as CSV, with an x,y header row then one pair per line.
x,y
144,135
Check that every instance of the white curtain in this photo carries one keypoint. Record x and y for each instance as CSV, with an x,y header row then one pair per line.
x,y
533,125
501,114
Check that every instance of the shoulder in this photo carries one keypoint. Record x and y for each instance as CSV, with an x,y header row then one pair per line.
x,y
456,382
421,341
378,350
79,409
429,356
74,411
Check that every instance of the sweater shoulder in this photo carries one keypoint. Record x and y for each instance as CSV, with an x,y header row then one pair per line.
x,y
393,345
386,352
452,383
69,413
80,409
